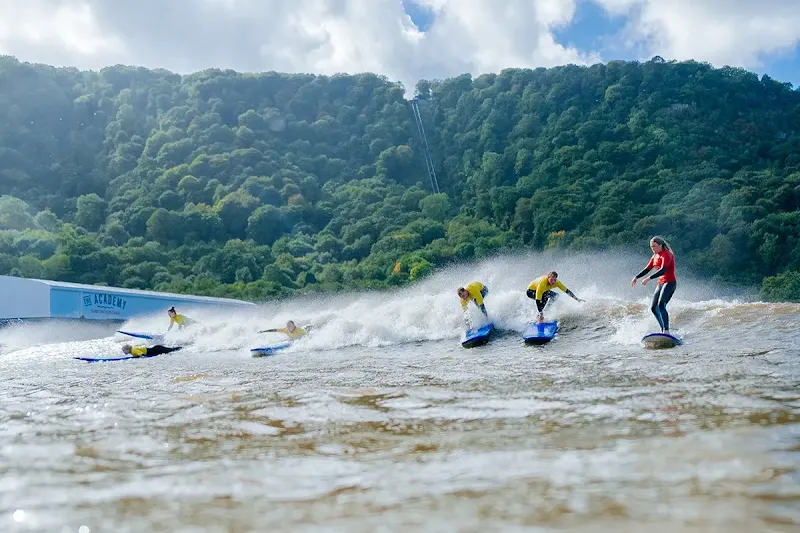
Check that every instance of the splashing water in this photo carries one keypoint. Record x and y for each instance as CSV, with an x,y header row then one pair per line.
x,y
425,311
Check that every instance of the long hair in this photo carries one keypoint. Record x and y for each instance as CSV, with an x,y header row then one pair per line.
x,y
661,242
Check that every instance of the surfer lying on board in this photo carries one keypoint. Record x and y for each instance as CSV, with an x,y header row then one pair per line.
x,y
664,261
175,318
475,291
291,330
540,290
138,351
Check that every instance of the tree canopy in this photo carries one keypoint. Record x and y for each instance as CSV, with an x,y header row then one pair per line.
x,y
261,185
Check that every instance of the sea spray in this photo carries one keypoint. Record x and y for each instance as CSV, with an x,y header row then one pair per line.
x,y
428,310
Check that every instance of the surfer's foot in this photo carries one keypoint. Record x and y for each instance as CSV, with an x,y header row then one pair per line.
x,y
665,331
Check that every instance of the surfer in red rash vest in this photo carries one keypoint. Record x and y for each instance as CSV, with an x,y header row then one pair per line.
x,y
663,261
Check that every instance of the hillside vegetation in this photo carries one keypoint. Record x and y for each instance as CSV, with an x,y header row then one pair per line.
x,y
258,186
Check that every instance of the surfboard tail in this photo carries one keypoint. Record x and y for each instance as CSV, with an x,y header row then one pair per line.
x,y
661,341
478,336
540,333
264,351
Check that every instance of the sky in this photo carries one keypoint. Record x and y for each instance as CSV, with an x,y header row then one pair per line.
x,y
405,40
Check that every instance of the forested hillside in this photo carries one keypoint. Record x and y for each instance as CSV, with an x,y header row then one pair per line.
x,y
256,186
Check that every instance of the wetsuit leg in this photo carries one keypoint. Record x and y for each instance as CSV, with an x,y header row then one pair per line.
x,y
654,307
546,297
667,290
159,349
484,292
539,303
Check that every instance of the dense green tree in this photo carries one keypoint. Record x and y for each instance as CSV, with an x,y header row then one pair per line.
x,y
15,213
90,212
266,224
262,185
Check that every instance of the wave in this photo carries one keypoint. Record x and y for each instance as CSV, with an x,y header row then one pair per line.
x,y
429,310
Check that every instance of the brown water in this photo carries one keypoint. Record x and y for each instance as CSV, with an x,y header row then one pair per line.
x,y
587,434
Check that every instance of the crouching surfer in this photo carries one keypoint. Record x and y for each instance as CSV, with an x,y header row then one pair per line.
x,y
139,351
541,290
291,330
181,320
475,292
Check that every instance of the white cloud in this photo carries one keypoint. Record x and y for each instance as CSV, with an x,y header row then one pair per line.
x,y
722,32
56,30
323,36
329,36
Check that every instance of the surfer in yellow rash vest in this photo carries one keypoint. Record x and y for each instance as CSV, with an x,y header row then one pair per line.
x,y
291,330
175,318
540,290
476,292
139,351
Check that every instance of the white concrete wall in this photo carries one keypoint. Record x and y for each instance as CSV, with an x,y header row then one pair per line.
x,y
24,298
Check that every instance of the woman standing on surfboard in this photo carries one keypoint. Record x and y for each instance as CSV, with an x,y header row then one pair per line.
x,y
663,261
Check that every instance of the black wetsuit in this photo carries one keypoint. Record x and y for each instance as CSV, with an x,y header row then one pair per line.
x,y
547,296
159,349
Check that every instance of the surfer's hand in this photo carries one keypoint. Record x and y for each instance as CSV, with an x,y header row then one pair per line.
x,y
633,282
644,281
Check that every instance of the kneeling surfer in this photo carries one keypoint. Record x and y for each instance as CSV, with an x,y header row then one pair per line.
x,y
474,291
175,318
291,330
139,351
541,290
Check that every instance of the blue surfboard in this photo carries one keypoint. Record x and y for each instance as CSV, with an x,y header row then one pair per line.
x,y
108,359
661,340
123,357
477,336
138,335
536,333
264,351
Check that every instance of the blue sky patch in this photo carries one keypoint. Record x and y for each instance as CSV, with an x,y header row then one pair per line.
x,y
591,29
422,16
783,68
